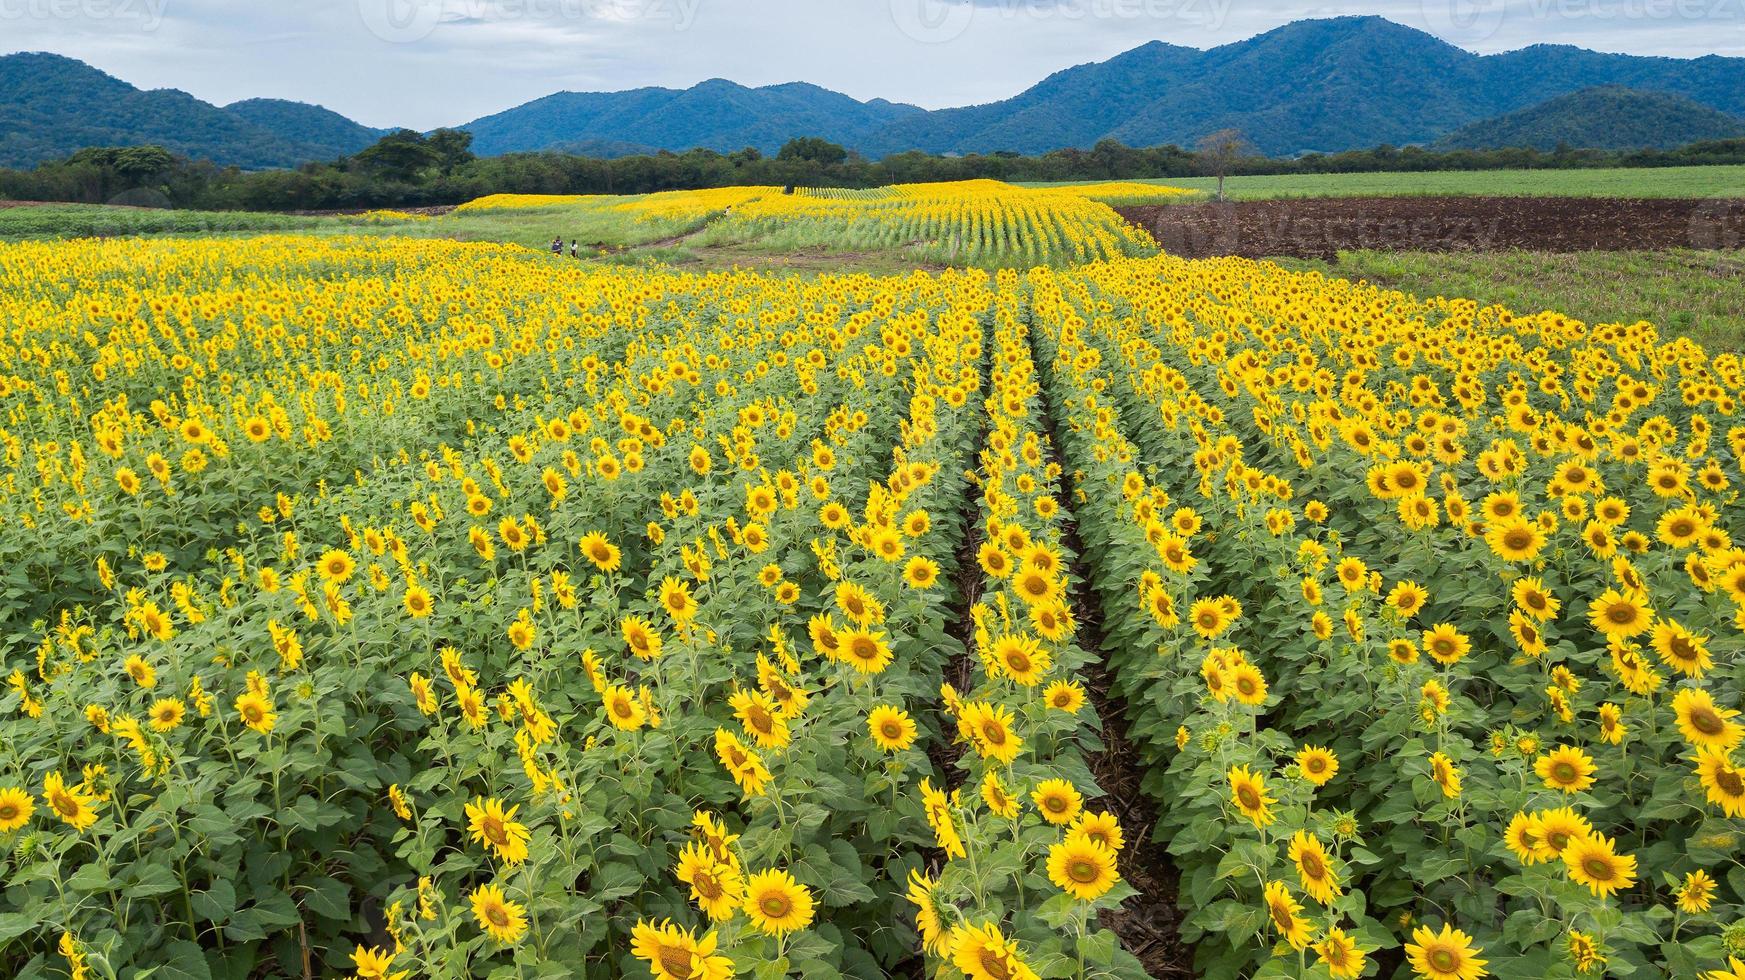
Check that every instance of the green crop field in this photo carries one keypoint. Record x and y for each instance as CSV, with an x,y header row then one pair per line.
x,y
1699,294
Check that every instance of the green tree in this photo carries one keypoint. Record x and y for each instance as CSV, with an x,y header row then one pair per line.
x,y
811,149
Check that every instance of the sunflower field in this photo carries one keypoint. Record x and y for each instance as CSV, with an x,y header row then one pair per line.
x,y
407,608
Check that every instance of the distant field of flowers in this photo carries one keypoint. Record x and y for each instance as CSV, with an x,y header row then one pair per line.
x,y
401,608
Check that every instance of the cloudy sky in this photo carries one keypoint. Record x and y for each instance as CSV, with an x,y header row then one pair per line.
x,y
429,63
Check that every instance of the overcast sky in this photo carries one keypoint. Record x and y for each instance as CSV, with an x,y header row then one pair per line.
x,y
429,63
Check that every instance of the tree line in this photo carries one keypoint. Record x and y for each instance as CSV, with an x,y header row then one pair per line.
x,y
410,169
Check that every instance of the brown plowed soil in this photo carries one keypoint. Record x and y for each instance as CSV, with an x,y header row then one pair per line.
x,y
1321,227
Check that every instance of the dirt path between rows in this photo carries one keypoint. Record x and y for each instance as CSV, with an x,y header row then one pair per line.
x,y
1148,924
1321,227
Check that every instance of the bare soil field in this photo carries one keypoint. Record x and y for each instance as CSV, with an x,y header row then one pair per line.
x,y
1321,228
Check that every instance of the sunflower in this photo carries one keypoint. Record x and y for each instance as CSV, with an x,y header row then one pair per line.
x,y
673,953
834,516
1282,909
1248,684
676,599
776,903
1001,803
1035,587
920,894
993,560
16,807
1407,598
256,711
521,631
717,887
1612,727
1022,659
502,920
1248,792
141,672
1680,649
166,714
1083,868
336,565
1101,827
1176,555
1446,775
887,543
72,804
602,553
497,829
1207,617
1318,765
1566,768
1557,829
742,763
1053,620
1724,784
1526,633
1447,955
1696,893
891,728
1067,696
858,605
374,963
1680,527
1314,872
865,651
641,637
1058,801
1340,954
938,808
763,719
1157,602
1353,574
990,730
623,708
1516,539
921,573
984,953
1593,861
1445,644
1703,723
1524,839
1619,614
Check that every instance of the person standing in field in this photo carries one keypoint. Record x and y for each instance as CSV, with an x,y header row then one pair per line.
x,y
557,246
575,252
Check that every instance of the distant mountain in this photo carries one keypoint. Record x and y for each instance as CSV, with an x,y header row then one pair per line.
x,y
1606,117
1336,84
602,149
320,132
52,106
1328,85
716,114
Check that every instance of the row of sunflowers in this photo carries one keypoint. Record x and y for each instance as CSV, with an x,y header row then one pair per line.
x,y
1427,616
974,222
396,608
